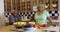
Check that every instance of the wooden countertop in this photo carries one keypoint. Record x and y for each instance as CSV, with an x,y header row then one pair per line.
x,y
7,29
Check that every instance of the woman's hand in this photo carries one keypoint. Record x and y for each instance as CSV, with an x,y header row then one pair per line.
x,y
51,21
54,25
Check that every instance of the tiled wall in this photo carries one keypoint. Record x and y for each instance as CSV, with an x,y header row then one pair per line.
x,y
53,14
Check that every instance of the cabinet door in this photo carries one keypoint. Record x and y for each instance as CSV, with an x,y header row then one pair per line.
x,y
2,21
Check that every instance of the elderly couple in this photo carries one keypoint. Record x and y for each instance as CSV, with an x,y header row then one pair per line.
x,y
41,16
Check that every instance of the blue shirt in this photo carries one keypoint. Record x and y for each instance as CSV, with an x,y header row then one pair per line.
x,y
13,19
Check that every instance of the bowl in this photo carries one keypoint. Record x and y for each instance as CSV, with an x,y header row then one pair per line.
x,y
28,29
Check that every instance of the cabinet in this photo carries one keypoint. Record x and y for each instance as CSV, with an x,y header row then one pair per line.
x,y
2,20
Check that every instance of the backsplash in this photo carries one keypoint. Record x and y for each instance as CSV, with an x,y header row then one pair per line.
x,y
53,14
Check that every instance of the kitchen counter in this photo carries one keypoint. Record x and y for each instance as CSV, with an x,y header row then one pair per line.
x,y
7,29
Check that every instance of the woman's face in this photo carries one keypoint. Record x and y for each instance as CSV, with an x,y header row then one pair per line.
x,y
39,8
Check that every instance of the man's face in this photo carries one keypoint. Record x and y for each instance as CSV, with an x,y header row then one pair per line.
x,y
15,13
39,8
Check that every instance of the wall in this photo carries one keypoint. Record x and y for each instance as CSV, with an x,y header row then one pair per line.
x,y
59,10
59,15
2,18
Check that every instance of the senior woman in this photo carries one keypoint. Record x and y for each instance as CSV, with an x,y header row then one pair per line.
x,y
42,16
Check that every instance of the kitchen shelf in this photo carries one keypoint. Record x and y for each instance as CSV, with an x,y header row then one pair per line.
x,y
17,5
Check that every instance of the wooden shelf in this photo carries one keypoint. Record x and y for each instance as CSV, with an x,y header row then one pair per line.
x,y
19,3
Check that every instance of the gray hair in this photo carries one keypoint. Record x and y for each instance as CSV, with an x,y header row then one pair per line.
x,y
41,5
